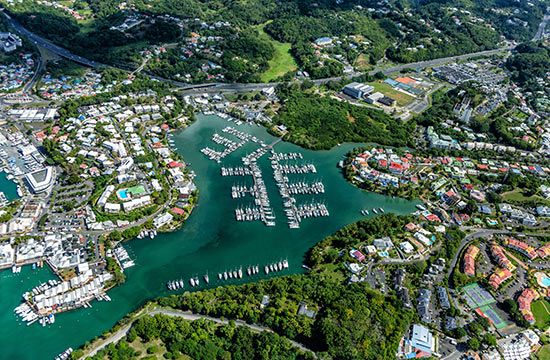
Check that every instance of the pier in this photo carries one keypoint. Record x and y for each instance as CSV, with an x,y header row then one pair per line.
x,y
295,213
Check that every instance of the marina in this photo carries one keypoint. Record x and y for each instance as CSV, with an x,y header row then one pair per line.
x,y
206,242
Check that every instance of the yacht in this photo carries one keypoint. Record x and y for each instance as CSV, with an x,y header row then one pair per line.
x,y
192,282
381,210
240,273
206,279
266,269
181,283
285,263
197,280
220,276
225,275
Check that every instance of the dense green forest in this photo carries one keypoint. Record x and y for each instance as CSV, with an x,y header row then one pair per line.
x,y
320,122
352,322
530,61
200,339
400,30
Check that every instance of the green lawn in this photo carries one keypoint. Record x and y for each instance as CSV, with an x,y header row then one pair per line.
x,y
400,98
542,316
282,61
517,195
544,352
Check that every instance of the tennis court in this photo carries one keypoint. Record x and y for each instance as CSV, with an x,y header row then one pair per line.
x,y
476,296
497,321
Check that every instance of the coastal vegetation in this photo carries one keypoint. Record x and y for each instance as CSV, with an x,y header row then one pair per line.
x,y
176,338
321,122
349,320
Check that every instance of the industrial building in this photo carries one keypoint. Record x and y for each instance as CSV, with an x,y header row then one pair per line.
x,y
357,90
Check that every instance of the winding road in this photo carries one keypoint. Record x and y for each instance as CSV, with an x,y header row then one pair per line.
x,y
117,336
232,87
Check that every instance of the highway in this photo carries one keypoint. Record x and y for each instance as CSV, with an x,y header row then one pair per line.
x,y
236,87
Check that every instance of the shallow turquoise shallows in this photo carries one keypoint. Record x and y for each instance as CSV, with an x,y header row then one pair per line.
x,y
210,241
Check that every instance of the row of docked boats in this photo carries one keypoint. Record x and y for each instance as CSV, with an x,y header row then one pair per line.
x,y
365,212
123,257
279,266
286,156
236,274
147,233
240,191
304,188
179,284
26,313
65,354
236,171
294,168
222,140
231,274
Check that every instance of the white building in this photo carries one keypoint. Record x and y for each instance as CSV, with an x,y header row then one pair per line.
x,y
40,180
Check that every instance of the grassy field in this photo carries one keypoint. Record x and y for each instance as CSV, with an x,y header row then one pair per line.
x,y
544,352
362,63
400,98
542,315
517,195
282,61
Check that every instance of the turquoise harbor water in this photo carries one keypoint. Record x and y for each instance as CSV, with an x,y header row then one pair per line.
x,y
8,187
211,240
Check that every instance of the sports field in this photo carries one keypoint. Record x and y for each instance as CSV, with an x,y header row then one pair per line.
x,y
400,98
541,312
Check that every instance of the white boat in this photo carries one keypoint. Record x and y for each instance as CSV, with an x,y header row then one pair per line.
x,y
225,275
266,269
220,276
240,273
192,282
285,263
206,279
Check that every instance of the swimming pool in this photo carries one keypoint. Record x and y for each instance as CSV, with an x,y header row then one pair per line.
x,y
545,280
122,194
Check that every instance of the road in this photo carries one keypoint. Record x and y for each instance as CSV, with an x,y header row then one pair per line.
x,y
542,26
187,316
233,87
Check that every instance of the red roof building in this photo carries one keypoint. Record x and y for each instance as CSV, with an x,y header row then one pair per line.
x,y
544,250
498,277
499,256
178,211
470,260
522,247
524,304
